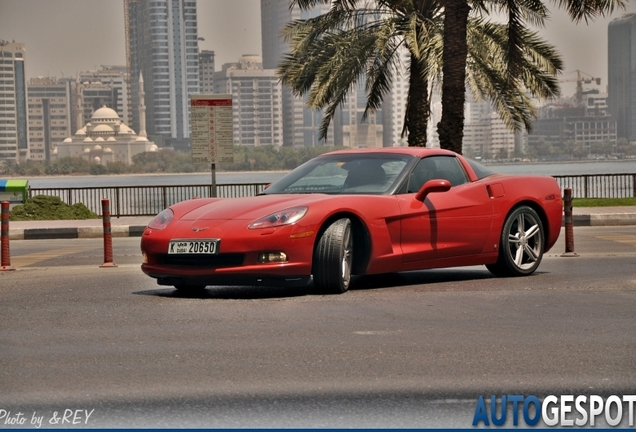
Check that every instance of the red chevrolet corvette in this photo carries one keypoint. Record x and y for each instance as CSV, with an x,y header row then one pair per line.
x,y
358,212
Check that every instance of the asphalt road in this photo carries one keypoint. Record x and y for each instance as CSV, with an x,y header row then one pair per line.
x,y
404,350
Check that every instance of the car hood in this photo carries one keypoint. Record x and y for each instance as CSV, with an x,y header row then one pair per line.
x,y
250,208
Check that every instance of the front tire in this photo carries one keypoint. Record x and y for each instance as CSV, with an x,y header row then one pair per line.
x,y
333,258
521,244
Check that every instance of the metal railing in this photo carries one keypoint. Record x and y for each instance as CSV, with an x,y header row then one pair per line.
x,y
150,200
599,185
144,200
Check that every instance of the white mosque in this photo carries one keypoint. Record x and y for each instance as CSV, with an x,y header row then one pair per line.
x,y
105,138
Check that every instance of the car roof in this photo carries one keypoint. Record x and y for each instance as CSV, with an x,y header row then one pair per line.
x,y
413,151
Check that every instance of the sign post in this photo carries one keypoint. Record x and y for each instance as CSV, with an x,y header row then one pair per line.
x,y
211,131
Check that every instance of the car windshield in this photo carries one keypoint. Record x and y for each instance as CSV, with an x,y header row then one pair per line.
x,y
373,174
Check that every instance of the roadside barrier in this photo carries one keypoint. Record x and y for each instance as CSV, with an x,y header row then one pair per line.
x,y
5,256
108,237
569,230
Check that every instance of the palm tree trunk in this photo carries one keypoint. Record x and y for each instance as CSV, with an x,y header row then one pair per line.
x,y
417,108
451,126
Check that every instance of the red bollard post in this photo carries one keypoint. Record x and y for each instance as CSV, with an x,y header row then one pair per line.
x,y
108,238
569,230
5,256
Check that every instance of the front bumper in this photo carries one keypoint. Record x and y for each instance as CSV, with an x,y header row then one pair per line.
x,y
237,261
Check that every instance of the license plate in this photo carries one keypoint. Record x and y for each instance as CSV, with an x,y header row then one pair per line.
x,y
203,246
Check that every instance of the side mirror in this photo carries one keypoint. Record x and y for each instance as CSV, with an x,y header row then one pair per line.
x,y
431,186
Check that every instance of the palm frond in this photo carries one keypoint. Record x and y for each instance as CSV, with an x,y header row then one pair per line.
x,y
380,71
589,9
534,12
488,77
333,52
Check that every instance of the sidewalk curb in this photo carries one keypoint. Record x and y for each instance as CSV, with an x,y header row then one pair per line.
x,y
605,219
72,233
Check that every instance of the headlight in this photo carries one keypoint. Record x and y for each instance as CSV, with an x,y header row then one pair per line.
x,y
283,217
161,220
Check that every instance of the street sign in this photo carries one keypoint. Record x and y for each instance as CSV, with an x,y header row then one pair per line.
x,y
211,128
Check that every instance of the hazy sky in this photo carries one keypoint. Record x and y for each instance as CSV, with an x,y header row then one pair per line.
x,y
64,37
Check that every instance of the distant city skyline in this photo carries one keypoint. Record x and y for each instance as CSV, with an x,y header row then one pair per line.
x,y
64,37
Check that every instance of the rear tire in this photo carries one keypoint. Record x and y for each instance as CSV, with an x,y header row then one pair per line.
x,y
333,258
521,244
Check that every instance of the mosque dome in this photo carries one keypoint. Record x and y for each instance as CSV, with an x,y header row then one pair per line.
x,y
105,114
99,139
108,150
97,147
103,128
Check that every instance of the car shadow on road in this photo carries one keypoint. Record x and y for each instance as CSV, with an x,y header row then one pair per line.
x,y
232,292
360,283
419,277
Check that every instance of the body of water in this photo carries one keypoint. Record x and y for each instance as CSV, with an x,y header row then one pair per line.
x,y
566,168
154,179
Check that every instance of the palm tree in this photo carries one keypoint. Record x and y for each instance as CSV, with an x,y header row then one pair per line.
x,y
450,129
455,58
331,52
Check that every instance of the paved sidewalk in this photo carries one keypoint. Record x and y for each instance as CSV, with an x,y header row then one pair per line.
x,y
134,226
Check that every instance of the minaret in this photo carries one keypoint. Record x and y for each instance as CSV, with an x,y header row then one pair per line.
x,y
142,108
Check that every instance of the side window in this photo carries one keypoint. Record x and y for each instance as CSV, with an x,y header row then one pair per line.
x,y
449,168
424,171
436,167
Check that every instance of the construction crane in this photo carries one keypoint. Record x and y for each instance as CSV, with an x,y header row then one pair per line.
x,y
581,78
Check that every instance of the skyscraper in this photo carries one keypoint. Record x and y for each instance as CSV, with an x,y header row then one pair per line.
x,y
621,59
300,124
50,102
162,44
13,102
256,100
206,71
